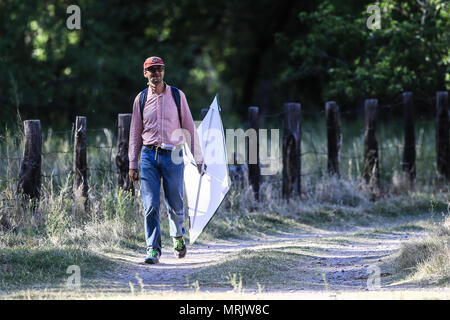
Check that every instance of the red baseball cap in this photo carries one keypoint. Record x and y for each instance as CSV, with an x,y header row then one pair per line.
x,y
153,61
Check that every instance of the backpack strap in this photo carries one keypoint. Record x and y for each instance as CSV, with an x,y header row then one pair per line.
x,y
176,98
142,100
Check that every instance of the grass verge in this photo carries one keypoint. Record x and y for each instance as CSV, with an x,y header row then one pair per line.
x,y
427,261
255,268
47,265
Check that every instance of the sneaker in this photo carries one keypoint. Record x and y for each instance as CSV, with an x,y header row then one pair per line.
x,y
152,257
179,247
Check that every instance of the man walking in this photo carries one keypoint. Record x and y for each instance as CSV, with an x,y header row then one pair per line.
x,y
155,152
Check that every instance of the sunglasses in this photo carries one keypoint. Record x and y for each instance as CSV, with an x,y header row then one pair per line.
x,y
155,69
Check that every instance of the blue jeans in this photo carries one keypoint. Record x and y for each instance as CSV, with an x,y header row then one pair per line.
x,y
172,174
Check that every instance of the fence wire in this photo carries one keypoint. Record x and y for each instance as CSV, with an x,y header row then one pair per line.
x,y
315,152
109,167
16,141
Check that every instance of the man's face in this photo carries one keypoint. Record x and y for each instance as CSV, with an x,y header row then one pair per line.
x,y
155,74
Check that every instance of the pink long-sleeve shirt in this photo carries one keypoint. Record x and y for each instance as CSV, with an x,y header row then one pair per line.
x,y
160,125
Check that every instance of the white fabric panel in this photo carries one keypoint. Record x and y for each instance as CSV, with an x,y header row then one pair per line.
x,y
215,183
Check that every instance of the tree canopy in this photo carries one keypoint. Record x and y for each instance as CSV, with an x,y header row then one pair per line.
x,y
263,54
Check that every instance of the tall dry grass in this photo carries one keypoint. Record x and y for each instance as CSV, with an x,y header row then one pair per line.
x,y
428,260
323,201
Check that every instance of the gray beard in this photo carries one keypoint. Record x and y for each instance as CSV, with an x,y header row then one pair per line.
x,y
154,80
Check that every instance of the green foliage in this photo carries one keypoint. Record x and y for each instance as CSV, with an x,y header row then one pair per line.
x,y
58,218
263,54
119,205
409,52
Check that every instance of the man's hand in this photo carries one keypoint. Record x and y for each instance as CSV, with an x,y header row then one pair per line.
x,y
134,175
199,168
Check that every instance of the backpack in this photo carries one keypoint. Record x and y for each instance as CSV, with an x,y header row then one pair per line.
x,y
175,95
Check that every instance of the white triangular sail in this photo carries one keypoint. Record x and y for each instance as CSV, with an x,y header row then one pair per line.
x,y
205,193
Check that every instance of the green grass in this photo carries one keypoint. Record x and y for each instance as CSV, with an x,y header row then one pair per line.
x,y
47,265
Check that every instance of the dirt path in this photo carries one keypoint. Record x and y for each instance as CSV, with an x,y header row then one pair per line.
x,y
327,260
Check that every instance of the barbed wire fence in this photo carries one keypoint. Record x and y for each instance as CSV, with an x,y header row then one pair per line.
x,y
314,157
6,162
354,159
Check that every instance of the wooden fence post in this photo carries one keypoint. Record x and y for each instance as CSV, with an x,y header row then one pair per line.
x,y
292,150
254,171
122,161
334,137
409,150
30,169
80,156
371,161
442,137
